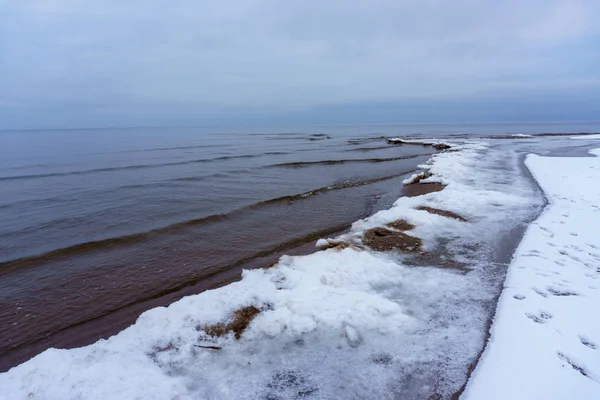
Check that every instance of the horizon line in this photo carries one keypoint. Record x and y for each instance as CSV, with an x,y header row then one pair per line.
x,y
525,122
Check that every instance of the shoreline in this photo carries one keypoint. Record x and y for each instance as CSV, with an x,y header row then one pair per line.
x,y
80,281
414,215
104,326
418,214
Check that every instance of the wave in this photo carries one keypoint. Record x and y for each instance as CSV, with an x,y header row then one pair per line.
x,y
206,274
345,161
152,185
200,146
309,137
366,140
204,177
138,166
29,166
103,244
371,148
174,182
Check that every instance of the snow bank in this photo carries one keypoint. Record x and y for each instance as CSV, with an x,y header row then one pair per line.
x,y
340,323
585,137
545,340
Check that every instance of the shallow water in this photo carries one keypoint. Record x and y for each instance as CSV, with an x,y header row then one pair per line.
x,y
98,226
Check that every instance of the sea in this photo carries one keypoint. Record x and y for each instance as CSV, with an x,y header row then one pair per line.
x,y
99,225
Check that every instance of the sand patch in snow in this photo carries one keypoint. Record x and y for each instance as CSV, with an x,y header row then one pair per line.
x,y
241,320
382,239
443,213
414,189
401,225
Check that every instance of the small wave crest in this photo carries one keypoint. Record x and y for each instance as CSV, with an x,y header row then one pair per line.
x,y
138,166
298,164
103,244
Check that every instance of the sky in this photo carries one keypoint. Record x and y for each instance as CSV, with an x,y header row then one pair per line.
x,y
105,63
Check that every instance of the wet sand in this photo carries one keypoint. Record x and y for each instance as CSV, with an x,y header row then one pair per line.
x,y
418,189
111,323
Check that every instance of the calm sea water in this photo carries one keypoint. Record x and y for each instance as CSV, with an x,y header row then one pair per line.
x,y
99,225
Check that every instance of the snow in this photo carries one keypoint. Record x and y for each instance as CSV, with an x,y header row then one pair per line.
x,y
414,178
545,339
425,142
327,243
340,323
322,243
586,137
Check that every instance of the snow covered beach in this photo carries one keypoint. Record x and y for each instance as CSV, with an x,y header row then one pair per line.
x,y
545,341
357,320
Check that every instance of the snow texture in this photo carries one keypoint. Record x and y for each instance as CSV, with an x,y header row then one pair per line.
x,y
586,137
347,323
545,340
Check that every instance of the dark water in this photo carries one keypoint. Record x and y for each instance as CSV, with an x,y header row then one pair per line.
x,y
99,225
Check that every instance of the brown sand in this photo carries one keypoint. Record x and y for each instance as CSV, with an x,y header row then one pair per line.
x,y
336,244
241,320
418,189
341,246
443,213
401,225
382,239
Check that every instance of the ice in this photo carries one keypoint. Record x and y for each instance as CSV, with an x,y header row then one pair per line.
x,y
346,322
322,243
414,178
543,342
440,145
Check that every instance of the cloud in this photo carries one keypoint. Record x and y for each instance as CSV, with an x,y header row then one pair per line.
x,y
267,54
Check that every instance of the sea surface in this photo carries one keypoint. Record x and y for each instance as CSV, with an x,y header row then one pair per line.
x,y
97,226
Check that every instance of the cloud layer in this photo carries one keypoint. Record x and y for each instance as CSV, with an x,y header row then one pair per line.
x,y
112,60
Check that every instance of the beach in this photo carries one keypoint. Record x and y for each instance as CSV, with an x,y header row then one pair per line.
x,y
398,302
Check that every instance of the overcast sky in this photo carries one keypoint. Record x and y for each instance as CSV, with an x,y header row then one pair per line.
x,y
79,63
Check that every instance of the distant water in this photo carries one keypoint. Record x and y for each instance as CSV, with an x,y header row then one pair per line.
x,y
100,225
